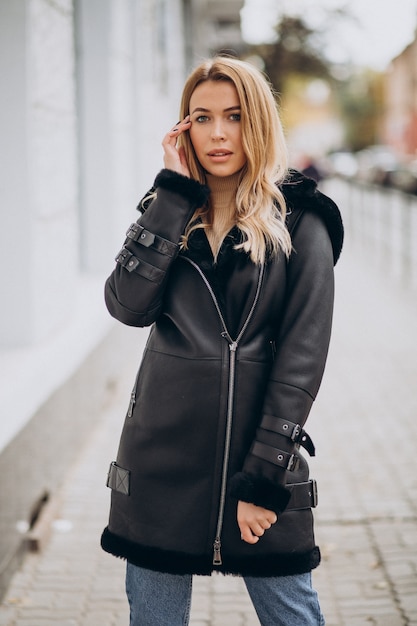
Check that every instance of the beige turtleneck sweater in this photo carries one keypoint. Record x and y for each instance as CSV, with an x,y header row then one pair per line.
x,y
222,208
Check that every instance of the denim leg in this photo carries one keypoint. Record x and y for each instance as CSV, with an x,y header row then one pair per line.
x,y
285,600
156,598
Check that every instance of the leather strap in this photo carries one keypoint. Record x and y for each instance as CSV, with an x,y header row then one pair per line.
x,y
118,479
290,430
133,264
138,233
303,496
276,456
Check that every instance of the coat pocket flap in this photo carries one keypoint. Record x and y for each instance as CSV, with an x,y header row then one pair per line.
x,y
118,479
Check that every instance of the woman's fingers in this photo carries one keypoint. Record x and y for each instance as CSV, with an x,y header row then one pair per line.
x,y
252,532
257,529
179,128
254,521
174,158
271,517
247,535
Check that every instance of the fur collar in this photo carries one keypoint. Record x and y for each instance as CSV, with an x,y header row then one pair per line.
x,y
301,194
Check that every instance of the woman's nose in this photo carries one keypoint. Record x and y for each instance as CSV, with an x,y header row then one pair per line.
x,y
217,132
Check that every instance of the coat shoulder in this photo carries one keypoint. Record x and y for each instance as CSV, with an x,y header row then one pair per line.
x,y
301,194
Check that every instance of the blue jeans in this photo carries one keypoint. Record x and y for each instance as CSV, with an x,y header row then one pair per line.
x,y
158,599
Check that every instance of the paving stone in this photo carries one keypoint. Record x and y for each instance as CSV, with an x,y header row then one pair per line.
x,y
409,602
389,620
7,615
99,618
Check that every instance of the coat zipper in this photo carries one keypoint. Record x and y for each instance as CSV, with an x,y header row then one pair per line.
x,y
133,396
233,346
131,404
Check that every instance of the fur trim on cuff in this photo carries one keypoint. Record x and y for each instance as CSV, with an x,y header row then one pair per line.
x,y
260,492
191,189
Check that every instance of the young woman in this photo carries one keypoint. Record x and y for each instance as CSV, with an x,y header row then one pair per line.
x,y
231,262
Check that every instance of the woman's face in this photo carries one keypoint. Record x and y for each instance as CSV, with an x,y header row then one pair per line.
x,y
216,132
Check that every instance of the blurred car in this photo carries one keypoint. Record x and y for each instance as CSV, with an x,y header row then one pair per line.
x,y
404,178
341,163
376,164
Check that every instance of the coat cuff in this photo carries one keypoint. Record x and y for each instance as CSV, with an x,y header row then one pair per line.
x,y
260,492
189,188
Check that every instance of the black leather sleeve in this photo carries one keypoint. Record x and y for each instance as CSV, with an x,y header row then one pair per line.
x,y
301,350
134,290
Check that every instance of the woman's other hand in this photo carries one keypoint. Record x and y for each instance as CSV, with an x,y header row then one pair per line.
x,y
174,157
254,521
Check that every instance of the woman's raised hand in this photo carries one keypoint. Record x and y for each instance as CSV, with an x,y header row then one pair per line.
x,y
174,157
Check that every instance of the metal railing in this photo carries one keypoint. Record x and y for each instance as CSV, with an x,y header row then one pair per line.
x,y
381,222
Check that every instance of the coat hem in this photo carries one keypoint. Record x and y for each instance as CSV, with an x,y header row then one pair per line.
x,y
172,562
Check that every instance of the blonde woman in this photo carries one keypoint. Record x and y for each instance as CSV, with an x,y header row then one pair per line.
x,y
231,264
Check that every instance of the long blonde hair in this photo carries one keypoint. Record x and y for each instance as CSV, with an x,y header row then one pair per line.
x,y
260,205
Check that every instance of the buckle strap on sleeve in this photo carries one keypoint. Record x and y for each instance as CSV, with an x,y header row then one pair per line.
x,y
290,430
303,495
278,457
138,233
133,264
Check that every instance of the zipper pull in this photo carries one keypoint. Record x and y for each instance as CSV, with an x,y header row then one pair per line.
x,y
131,404
217,557
233,346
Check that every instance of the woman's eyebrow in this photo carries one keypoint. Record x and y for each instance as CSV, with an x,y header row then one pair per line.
x,y
203,110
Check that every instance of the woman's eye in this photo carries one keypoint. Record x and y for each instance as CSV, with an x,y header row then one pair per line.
x,y
201,118
235,117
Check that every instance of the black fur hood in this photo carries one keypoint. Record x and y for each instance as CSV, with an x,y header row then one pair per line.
x,y
301,192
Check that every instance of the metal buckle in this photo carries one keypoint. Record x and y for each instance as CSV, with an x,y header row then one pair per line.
x,y
314,493
292,462
296,433
141,235
127,260
122,256
133,231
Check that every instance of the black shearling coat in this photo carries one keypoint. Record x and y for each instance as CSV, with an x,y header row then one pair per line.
x,y
234,360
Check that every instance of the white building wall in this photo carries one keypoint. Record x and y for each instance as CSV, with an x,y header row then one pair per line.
x,y
89,89
38,194
105,71
14,180
159,77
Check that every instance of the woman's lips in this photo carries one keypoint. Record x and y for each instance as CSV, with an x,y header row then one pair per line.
x,y
219,155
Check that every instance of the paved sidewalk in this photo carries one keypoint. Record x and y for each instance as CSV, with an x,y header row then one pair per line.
x,y
365,429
